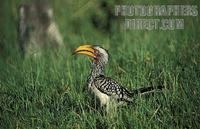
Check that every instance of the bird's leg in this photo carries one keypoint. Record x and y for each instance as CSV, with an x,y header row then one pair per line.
x,y
111,109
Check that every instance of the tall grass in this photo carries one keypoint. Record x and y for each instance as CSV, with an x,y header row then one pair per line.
x,y
51,91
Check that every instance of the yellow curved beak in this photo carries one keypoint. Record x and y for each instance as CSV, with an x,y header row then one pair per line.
x,y
85,50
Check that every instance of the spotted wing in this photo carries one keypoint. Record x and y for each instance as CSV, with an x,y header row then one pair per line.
x,y
110,87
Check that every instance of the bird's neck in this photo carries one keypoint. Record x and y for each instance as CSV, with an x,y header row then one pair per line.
x,y
97,69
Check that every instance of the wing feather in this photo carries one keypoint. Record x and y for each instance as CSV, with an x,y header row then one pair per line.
x,y
112,88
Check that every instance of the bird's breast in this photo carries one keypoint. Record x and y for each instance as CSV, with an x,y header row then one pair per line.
x,y
104,99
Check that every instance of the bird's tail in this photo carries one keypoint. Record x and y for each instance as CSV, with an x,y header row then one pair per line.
x,y
147,90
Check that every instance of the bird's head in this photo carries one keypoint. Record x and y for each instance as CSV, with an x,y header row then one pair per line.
x,y
97,53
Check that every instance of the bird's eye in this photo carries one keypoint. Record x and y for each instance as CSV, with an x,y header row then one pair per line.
x,y
97,53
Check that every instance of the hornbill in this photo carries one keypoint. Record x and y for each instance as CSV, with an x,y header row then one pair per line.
x,y
105,87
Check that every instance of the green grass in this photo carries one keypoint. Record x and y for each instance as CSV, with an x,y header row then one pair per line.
x,y
51,91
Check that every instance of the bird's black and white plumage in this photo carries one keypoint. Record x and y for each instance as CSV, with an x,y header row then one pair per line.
x,y
105,87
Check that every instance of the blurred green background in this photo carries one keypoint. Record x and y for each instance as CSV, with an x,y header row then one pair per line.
x,y
50,92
